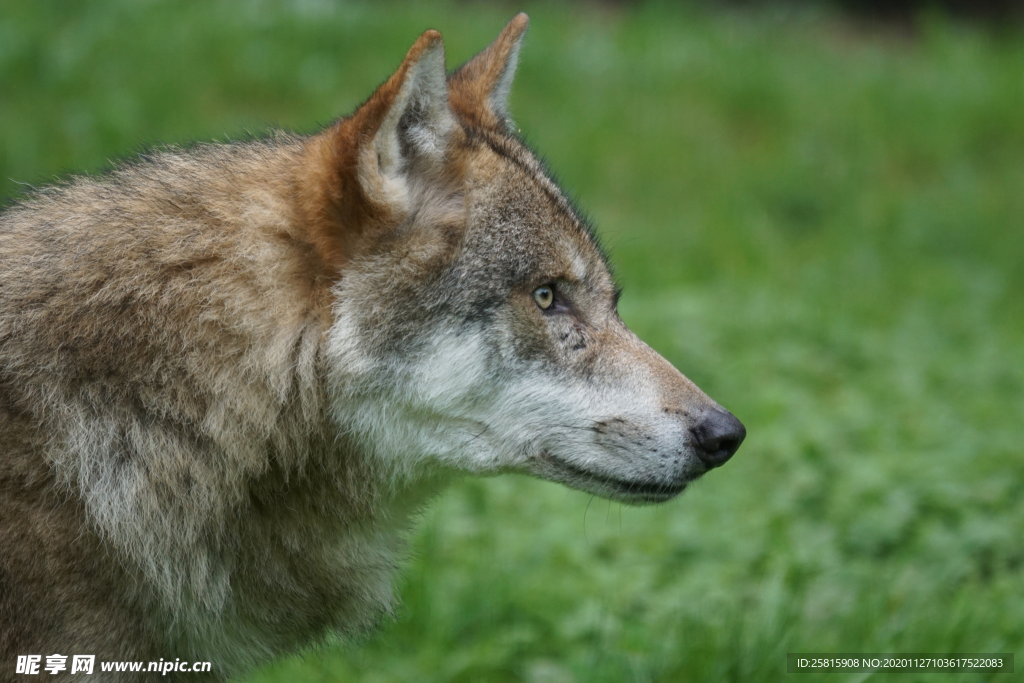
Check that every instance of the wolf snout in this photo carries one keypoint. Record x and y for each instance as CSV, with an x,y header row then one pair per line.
x,y
718,435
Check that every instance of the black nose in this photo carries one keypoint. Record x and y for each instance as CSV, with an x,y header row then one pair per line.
x,y
718,436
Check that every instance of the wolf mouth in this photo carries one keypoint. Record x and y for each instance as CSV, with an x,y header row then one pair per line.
x,y
639,489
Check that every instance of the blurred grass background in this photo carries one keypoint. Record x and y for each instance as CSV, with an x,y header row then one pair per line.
x,y
819,220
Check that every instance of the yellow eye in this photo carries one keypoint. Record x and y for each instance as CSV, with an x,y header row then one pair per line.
x,y
544,296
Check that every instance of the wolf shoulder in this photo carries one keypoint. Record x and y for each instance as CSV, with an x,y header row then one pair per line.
x,y
178,250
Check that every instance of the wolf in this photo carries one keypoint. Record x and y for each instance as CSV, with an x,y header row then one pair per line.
x,y
231,374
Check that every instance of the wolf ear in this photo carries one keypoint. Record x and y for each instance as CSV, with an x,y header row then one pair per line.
x,y
367,160
479,90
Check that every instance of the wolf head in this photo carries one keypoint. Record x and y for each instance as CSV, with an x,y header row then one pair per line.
x,y
475,326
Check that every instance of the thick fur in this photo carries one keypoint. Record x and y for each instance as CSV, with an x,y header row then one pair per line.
x,y
230,374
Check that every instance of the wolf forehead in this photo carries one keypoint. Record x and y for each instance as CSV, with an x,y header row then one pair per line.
x,y
513,230
521,229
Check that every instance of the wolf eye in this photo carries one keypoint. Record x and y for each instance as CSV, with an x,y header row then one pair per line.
x,y
544,296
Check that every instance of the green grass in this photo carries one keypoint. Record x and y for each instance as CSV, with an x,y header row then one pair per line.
x,y
820,225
